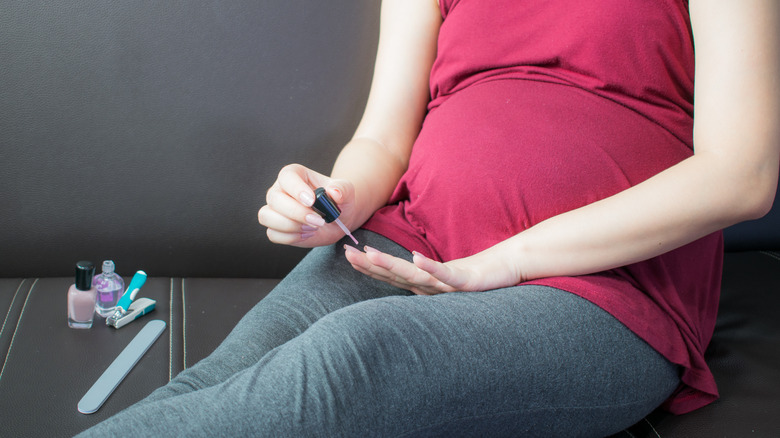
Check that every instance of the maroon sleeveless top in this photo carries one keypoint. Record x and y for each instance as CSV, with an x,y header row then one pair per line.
x,y
541,107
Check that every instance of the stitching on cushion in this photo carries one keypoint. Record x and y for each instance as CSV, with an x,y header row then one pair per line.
x,y
18,323
183,326
170,332
8,313
771,254
653,428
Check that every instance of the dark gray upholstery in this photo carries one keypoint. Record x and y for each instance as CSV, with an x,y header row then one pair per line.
x,y
147,133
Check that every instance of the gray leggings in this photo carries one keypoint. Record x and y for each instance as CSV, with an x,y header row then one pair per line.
x,y
332,353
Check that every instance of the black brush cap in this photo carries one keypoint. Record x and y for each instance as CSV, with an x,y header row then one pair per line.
x,y
324,206
85,271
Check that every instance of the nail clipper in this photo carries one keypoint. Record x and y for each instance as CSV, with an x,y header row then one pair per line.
x,y
127,310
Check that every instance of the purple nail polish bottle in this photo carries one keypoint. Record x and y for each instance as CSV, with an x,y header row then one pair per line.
x,y
110,287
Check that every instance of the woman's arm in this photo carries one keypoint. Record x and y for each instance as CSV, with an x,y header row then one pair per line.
x,y
379,152
370,165
731,177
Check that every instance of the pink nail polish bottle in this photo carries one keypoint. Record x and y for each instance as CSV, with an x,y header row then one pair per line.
x,y
81,297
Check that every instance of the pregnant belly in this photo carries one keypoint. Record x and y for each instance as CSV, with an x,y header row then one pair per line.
x,y
501,156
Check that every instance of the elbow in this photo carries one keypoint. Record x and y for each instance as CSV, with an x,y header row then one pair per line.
x,y
757,195
763,205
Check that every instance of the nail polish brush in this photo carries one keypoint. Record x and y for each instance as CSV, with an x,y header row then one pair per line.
x,y
325,207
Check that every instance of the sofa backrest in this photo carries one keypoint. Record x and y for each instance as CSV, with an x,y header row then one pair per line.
x,y
147,133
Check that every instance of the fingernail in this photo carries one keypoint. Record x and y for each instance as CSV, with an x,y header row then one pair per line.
x,y
308,228
369,249
306,199
417,254
350,248
315,220
306,235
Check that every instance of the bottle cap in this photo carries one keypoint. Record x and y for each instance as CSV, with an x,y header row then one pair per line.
x,y
84,273
324,206
108,266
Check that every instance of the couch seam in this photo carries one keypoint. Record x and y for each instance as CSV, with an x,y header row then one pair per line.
x,y
183,326
170,332
771,254
11,306
18,323
653,428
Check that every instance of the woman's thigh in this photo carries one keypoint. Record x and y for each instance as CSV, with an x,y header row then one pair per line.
x,y
321,283
523,361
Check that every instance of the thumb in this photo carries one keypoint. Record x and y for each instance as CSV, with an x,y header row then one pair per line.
x,y
340,190
454,279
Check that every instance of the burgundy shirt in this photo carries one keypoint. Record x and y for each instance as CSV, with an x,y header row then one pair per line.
x,y
541,107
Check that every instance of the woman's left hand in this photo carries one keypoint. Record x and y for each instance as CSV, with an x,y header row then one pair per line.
x,y
423,276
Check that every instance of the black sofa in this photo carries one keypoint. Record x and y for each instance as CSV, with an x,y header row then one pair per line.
x,y
147,133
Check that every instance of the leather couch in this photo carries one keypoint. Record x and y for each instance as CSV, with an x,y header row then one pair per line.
x,y
147,132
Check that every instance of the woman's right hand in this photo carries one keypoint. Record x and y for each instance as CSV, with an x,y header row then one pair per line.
x,y
288,214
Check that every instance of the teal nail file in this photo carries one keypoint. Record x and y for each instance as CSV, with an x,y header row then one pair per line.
x,y
116,372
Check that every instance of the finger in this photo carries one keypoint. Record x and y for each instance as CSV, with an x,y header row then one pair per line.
x,y
340,191
291,208
270,218
388,265
275,221
404,272
402,269
299,182
385,279
282,238
455,278
360,262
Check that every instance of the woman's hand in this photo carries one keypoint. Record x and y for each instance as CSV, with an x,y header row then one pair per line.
x,y
372,163
483,271
288,214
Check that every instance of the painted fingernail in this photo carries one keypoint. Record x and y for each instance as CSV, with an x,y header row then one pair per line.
x,y
350,248
369,249
306,199
308,228
306,235
315,220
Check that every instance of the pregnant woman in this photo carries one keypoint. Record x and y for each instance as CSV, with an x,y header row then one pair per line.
x,y
537,188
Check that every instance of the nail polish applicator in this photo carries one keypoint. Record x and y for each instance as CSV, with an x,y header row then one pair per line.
x,y
325,207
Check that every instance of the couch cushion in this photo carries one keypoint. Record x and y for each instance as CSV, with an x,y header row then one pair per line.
x,y
744,356
49,367
149,132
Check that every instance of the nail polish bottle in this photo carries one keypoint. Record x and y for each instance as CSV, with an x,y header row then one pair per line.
x,y
82,296
109,287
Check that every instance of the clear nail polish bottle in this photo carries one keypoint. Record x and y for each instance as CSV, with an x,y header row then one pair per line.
x,y
82,296
109,287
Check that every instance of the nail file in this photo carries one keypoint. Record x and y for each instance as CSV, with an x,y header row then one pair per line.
x,y
116,372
